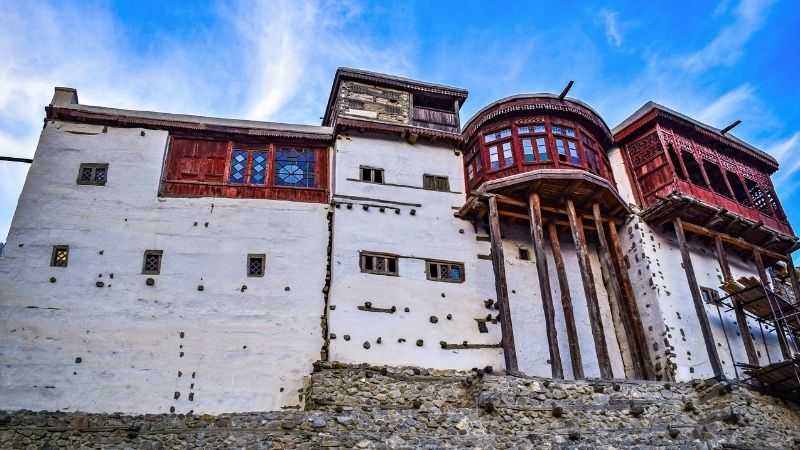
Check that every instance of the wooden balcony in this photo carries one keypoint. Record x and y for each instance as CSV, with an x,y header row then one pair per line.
x,y
434,119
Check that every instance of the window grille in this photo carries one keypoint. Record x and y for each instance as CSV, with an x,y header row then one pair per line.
x,y
355,104
435,183
256,264
152,262
93,173
393,109
60,256
379,264
445,271
295,167
371,174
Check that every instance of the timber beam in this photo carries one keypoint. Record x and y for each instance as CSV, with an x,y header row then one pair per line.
x,y
731,240
501,287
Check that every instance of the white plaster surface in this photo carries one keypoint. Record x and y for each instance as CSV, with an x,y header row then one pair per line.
x,y
432,233
241,350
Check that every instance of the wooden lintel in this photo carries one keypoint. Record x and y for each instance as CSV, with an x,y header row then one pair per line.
x,y
718,217
501,287
595,320
699,306
537,236
728,239
752,227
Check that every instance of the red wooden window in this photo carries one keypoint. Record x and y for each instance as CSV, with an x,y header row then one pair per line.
x,y
500,148
215,168
534,142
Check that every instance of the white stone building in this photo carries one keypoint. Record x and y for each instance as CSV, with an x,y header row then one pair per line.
x,y
171,263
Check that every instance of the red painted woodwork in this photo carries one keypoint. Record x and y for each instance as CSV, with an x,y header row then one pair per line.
x,y
655,175
528,112
201,168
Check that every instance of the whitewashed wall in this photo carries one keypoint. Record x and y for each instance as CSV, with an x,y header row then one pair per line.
x,y
240,350
667,309
530,331
432,233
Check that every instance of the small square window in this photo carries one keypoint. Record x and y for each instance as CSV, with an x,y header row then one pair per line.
x,y
524,254
393,110
371,174
435,183
152,262
60,256
379,264
93,173
445,271
256,265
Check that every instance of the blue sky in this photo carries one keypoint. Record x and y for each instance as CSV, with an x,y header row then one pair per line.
x,y
717,61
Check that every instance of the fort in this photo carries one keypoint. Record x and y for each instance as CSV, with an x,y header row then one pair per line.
x,y
529,273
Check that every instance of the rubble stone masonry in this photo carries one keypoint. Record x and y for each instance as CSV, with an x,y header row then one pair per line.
x,y
361,406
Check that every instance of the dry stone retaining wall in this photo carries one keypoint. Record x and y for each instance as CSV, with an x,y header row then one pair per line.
x,y
406,407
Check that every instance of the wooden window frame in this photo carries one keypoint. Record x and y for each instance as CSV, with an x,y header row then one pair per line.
x,y
93,167
710,295
438,264
364,255
438,183
249,269
54,256
160,254
372,171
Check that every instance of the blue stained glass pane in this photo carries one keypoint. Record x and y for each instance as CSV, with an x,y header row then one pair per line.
x,y
237,166
294,167
258,172
455,272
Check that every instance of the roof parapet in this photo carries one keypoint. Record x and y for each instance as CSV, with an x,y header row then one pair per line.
x,y
64,96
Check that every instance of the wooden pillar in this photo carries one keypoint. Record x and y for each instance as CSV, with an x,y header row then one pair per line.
x,y
537,234
498,264
699,306
741,318
649,372
779,327
566,303
616,291
595,320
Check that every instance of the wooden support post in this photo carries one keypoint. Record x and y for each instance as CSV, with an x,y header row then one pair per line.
x,y
699,306
741,318
498,264
640,340
780,330
566,303
595,320
537,234
616,294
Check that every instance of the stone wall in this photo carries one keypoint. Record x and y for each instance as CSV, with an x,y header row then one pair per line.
x,y
407,407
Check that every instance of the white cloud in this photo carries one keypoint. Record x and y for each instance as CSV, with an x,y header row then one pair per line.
x,y
722,111
612,28
787,179
727,46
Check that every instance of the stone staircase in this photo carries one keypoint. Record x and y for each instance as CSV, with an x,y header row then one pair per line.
x,y
360,406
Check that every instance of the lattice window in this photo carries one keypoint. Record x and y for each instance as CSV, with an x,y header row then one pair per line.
x,y
759,200
60,256
295,167
371,174
359,88
773,202
390,109
379,264
435,183
355,104
151,265
445,271
391,95
93,173
256,265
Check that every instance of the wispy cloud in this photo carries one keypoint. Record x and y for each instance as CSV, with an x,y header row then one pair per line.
x,y
787,180
727,46
612,28
722,110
